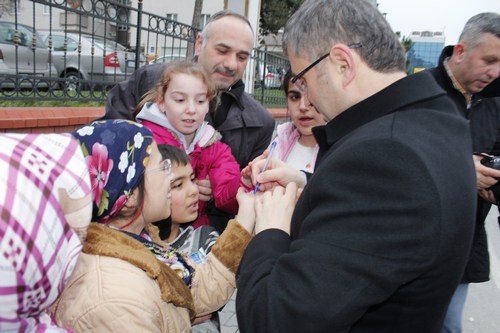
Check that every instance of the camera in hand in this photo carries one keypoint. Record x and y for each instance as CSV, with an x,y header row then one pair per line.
x,y
492,161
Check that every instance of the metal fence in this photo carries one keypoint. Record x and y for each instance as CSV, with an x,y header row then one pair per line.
x,y
79,49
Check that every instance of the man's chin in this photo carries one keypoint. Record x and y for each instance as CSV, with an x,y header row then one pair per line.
x,y
223,84
479,86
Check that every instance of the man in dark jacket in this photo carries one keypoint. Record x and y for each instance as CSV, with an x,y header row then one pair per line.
x,y
222,49
380,235
464,70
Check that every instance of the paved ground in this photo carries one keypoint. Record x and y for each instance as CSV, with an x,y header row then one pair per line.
x,y
482,308
227,317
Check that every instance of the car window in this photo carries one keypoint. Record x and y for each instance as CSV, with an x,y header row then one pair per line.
x,y
24,36
72,45
108,45
8,31
58,42
40,42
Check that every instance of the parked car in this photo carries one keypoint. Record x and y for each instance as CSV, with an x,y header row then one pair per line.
x,y
167,59
271,78
108,63
31,66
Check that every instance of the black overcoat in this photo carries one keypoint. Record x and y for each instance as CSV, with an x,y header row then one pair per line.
x,y
381,233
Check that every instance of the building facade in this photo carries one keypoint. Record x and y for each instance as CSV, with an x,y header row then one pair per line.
x,y
425,50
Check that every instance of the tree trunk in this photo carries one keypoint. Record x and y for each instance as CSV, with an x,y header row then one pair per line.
x,y
198,5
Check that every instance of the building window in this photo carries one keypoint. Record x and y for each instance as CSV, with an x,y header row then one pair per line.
x,y
203,21
171,17
46,10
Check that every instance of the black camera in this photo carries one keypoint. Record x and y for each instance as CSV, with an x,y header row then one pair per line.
x,y
492,161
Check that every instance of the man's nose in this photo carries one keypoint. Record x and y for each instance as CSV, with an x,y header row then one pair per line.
x,y
495,71
230,62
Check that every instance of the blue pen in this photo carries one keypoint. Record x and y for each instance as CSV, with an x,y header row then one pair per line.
x,y
271,151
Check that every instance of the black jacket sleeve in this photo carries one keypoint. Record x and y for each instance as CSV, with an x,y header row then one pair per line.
x,y
125,96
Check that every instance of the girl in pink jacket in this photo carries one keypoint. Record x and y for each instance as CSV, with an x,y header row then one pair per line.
x,y
175,111
296,143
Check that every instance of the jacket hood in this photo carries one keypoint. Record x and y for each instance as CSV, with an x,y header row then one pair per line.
x,y
205,135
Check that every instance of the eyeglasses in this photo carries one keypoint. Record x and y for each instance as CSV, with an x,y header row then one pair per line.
x,y
165,166
299,80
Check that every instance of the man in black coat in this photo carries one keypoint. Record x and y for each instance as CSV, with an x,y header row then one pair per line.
x,y
380,235
464,71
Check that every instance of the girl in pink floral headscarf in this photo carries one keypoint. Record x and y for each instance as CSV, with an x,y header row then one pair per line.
x,y
45,209
128,279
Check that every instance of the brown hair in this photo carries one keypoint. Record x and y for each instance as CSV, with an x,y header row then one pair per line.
x,y
173,68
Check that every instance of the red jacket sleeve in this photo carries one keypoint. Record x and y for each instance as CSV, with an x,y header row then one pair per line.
x,y
224,173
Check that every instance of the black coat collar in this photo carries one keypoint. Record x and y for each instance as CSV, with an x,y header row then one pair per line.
x,y
399,95
236,93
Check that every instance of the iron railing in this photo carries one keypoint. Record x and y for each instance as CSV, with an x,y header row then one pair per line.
x,y
81,40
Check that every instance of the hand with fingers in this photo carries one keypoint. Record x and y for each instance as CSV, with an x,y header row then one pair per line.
x,y
274,208
205,189
486,178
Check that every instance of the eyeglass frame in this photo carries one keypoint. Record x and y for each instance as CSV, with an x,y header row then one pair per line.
x,y
314,63
165,165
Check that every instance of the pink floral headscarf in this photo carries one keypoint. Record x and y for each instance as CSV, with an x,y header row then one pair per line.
x,y
45,209
117,152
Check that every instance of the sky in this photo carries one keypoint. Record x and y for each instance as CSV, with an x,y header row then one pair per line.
x,y
448,16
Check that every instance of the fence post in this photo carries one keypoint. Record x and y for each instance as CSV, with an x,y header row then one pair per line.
x,y
138,35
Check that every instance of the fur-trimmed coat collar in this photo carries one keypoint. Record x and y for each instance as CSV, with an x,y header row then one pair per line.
x,y
105,241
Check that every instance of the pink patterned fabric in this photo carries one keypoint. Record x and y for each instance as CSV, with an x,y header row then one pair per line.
x,y
45,205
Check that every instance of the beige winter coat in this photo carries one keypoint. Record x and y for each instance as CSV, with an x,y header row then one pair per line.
x,y
120,286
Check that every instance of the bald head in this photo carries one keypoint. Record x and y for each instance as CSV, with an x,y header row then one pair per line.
x,y
224,47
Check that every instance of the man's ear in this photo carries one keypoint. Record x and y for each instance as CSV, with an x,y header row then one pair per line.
x,y
198,44
458,52
344,62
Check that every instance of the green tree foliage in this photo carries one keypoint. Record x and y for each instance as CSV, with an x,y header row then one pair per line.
x,y
406,41
407,45
275,13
